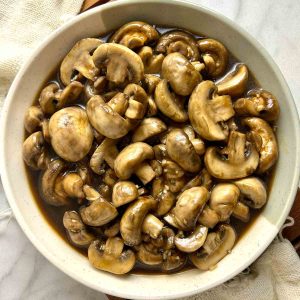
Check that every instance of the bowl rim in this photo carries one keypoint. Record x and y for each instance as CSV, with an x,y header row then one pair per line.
x,y
9,99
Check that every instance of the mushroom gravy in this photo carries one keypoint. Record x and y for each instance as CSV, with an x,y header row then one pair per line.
x,y
55,214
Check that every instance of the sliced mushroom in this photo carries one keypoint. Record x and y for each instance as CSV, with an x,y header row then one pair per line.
x,y
235,82
79,59
110,256
152,226
208,217
178,41
119,103
169,104
124,192
133,218
207,111
181,150
171,169
198,145
173,260
135,35
203,179
71,134
180,73
217,245
72,184
33,119
241,212
47,99
157,167
112,230
150,82
148,127
122,64
193,242
240,162
160,152
188,208
265,142
76,230
110,178
166,200
214,55
96,87
152,62
149,255
253,191
165,241
132,160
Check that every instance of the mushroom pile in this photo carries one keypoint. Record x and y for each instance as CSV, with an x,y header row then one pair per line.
x,y
158,142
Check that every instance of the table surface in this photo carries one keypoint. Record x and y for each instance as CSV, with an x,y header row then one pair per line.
x,y
26,274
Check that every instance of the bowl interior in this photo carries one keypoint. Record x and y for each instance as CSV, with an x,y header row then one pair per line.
x,y
95,23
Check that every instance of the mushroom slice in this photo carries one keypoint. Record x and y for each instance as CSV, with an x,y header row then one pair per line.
x,y
33,119
178,41
152,226
253,191
71,133
259,103
241,162
135,35
112,230
148,127
47,99
241,212
265,141
166,200
34,151
105,120
149,255
181,150
72,184
217,245
180,73
206,111
110,256
169,104
165,241
105,152
188,208
223,199
132,160
152,62
79,59
76,230
173,260
203,179
150,82
214,55
208,217
133,218
124,192
122,64
235,82
193,242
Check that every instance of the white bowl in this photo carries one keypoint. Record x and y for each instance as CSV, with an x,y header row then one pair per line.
x,y
94,23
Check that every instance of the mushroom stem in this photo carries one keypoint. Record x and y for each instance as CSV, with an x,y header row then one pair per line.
x,y
145,173
152,226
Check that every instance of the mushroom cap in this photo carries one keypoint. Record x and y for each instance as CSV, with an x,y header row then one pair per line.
x,y
48,99
168,103
265,142
240,163
73,185
148,127
180,73
124,192
205,112
121,63
134,35
33,119
79,59
182,151
208,217
166,200
130,158
71,133
178,41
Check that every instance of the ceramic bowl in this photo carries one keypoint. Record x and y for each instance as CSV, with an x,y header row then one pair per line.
x,y
97,22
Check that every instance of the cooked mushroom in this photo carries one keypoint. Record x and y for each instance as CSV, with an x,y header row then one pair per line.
x,y
34,152
188,208
79,59
152,226
241,212
253,191
72,185
259,103
240,162
265,142
150,82
165,241
112,230
235,82
119,103
132,160
148,127
96,87
203,179
178,41
135,35
198,145
193,242
173,260
149,255
182,151
133,218
166,200
152,62
169,104
110,178
214,55
208,217
71,133
217,245
110,257
76,230
122,64
223,199
124,192
33,119
160,152
207,111
157,167
180,73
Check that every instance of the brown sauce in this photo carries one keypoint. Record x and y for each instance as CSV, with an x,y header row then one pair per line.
x,y
54,215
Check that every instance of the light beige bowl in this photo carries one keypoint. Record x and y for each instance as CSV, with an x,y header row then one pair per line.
x,y
94,23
